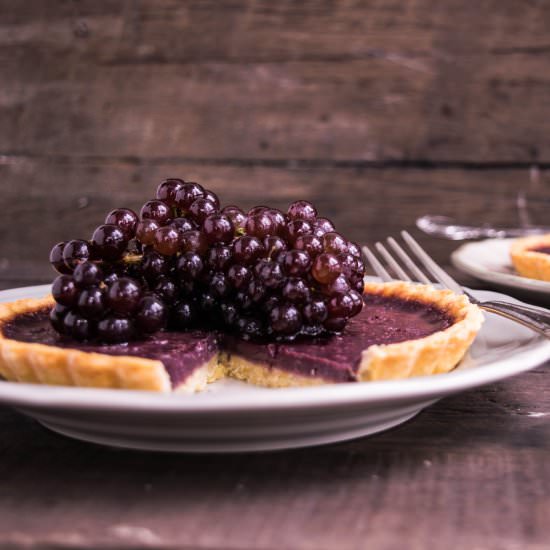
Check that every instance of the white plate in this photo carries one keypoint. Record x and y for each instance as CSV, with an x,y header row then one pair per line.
x,y
232,417
489,260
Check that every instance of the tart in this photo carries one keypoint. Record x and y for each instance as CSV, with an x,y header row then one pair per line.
x,y
531,256
403,330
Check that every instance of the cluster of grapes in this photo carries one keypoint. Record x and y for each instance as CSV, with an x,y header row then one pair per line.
x,y
184,263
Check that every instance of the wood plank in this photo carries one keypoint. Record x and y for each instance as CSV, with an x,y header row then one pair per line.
x,y
69,199
373,80
470,472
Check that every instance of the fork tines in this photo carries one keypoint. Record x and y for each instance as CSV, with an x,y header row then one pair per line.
x,y
403,267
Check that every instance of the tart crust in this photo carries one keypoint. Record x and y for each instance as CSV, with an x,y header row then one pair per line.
x,y
433,354
529,262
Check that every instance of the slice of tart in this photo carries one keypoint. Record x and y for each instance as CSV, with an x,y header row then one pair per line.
x,y
403,330
531,256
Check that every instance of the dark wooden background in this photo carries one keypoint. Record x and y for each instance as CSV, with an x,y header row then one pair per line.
x,y
379,111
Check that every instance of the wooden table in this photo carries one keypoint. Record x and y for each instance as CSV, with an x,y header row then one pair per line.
x,y
378,111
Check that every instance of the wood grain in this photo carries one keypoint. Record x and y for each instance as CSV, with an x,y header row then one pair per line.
x,y
455,81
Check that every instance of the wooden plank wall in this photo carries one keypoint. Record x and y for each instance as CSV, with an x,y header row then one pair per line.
x,y
377,110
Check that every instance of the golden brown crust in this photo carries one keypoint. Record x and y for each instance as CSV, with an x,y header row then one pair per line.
x,y
42,364
528,262
437,353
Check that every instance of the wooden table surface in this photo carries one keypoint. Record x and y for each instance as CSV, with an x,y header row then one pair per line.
x,y
379,111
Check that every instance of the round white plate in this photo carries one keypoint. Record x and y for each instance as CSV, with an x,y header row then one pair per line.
x,y
233,417
489,260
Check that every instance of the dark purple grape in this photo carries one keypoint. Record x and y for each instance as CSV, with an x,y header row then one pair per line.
x,y
326,268
212,197
75,252
193,241
156,210
125,219
167,190
243,300
285,319
57,315
335,324
250,328
218,228
123,295
64,290
201,209
87,274
188,194
270,303
357,299
236,215
247,250
310,243
296,290
269,273
349,264
167,240
357,283
91,302
109,242
56,259
340,305
296,229
257,210
145,231
111,277
340,285
238,276
296,262
153,265
219,258
278,220
218,284
354,249
322,226
183,224
229,313
78,327
166,289
302,210
113,330
256,290
183,315
189,266
259,225
273,245
207,302
334,243
151,315
315,311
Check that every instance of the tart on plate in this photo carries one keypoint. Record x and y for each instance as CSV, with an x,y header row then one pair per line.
x,y
531,257
403,330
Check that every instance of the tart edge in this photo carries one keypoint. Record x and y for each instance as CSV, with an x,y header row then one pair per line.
x,y
529,263
434,354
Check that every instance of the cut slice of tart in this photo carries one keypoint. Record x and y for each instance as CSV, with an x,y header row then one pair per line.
x,y
404,330
531,256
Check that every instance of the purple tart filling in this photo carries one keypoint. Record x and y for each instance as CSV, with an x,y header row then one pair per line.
x,y
542,249
180,352
383,320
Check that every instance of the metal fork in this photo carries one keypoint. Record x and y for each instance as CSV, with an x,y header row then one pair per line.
x,y
534,318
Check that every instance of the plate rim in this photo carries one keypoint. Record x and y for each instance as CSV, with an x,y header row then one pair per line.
x,y
40,397
481,272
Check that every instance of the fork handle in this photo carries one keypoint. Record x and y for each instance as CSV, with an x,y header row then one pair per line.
x,y
533,318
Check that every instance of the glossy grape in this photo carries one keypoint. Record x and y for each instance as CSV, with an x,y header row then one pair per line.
x,y
296,290
269,273
296,229
188,194
219,257
273,245
193,241
310,244
340,305
183,315
57,315
151,315
113,330
285,319
236,215
218,228
166,289
296,262
189,266
238,276
334,243
91,302
167,190
123,295
87,274
75,252
78,327
212,197
125,219
56,259
322,226
259,225
326,268
167,240
302,210
153,265
247,249
218,284
145,231
109,242
156,210
315,311
201,209
64,290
